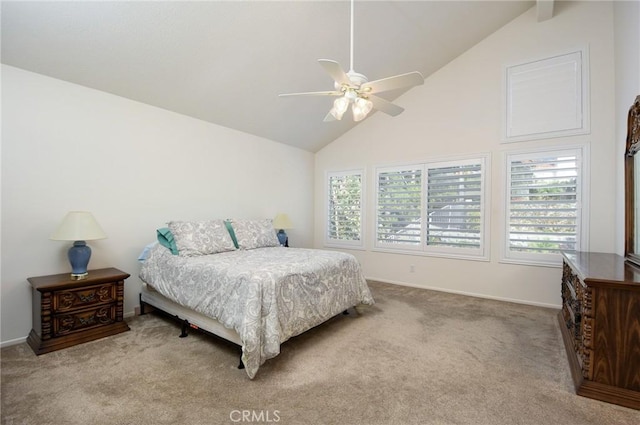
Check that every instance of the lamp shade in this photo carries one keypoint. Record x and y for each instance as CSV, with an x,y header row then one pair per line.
x,y
78,226
340,105
361,107
282,221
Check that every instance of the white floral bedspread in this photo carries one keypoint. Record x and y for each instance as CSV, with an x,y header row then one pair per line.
x,y
267,295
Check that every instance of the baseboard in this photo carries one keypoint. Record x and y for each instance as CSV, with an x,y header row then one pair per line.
x,y
24,338
13,342
468,294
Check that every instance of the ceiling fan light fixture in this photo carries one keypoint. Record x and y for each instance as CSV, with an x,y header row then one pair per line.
x,y
340,106
353,88
361,108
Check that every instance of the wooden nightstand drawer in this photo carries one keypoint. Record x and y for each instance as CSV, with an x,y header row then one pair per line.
x,y
68,312
83,297
64,324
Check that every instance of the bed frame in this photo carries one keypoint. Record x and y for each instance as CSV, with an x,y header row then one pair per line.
x,y
189,319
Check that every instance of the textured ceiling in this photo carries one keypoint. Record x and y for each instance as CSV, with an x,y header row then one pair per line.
x,y
226,61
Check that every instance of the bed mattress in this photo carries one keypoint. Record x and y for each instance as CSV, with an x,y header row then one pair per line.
x,y
265,295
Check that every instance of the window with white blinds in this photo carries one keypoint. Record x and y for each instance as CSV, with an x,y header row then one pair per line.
x,y
436,208
544,205
454,205
344,208
399,210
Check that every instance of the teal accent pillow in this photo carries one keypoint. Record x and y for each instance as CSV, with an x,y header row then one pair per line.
x,y
232,233
165,237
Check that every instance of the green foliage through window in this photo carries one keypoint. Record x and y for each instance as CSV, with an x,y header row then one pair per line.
x,y
344,222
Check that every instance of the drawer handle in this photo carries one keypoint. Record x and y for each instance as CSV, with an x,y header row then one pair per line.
x,y
88,321
87,298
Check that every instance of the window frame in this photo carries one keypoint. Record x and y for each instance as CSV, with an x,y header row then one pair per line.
x,y
582,202
478,254
339,243
452,251
397,247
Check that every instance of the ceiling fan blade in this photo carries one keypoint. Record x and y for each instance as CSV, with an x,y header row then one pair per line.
x,y
329,117
391,83
336,72
385,106
313,93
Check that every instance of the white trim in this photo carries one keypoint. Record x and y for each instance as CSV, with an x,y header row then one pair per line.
x,y
465,293
11,342
579,59
452,255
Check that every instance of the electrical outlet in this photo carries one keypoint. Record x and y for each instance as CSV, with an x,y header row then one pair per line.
x,y
412,268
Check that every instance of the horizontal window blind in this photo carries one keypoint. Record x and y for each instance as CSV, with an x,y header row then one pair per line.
x,y
544,202
454,205
399,206
435,207
344,215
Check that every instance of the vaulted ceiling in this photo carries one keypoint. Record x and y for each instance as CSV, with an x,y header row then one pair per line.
x,y
225,62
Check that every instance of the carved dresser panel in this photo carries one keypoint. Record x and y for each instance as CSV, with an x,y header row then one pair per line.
x,y
600,325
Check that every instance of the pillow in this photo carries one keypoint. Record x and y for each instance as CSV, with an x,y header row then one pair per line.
x,y
146,251
165,237
255,233
195,238
231,232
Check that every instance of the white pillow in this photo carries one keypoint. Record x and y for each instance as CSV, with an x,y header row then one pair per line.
x,y
195,238
252,234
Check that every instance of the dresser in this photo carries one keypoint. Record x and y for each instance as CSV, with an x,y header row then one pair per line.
x,y
68,312
600,326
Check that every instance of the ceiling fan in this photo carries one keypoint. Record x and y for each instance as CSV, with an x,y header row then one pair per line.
x,y
353,88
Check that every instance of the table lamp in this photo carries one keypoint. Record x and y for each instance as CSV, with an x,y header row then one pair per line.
x,y
78,226
282,222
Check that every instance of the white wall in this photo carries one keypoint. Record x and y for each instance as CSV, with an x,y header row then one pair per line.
x,y
67,147
627,55
459,111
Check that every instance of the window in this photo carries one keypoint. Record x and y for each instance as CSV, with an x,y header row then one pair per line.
x,y
399,207
434,208
344,208
454,205
544,212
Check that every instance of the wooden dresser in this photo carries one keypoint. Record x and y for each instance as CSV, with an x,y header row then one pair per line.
x,y
68,312
600,324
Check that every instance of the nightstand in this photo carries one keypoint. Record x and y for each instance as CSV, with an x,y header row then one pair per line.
x,y
69,312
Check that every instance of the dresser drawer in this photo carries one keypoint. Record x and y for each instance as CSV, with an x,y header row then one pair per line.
x,y
69,311
73,299
63,324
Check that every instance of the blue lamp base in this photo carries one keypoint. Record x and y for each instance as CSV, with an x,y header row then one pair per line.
x,y
79,255
282,238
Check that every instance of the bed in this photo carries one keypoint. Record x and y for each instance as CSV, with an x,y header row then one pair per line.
x,y
256,295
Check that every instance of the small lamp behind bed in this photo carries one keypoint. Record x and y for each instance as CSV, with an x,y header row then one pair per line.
x,y
282,222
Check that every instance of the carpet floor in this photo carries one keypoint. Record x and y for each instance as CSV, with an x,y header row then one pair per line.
x,y
415,357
